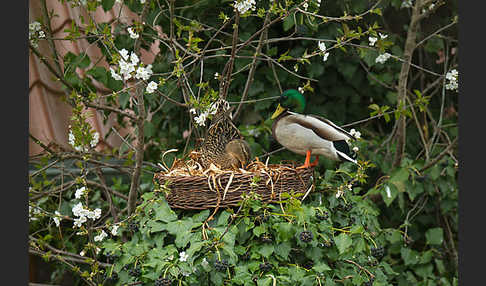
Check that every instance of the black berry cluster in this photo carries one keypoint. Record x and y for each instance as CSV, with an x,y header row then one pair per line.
x,y
112,278
370,282
163,282
378,252
306,236
221,265
110,257
323,216
327,244
245,256
266,266
133,226
308,264
135,272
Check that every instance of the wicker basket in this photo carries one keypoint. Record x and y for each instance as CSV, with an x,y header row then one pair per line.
x,y
226,189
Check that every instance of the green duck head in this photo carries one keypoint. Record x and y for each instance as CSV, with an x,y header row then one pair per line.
x,y
291,100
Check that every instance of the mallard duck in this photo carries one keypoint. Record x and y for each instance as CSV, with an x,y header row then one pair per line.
x,y
308,134
223,144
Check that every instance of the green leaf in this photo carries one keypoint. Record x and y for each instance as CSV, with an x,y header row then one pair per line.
x,y
164,213
321,267
343,242
434,236
283,249
99,74
266,250
409,256
389,192
288,22
123,98
107,4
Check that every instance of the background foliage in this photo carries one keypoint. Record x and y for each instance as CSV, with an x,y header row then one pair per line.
x,y
392,221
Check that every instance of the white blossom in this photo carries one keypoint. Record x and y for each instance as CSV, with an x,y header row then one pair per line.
x,y
383,36
82,253
244,5
115,75
134,58
124,54
406,4
57,219
372,40
42,34
301,89
183,256
382,58
193,111
322,46
431,6
143,73
324,58
133,35
79,192
95,140
142,1
305,5
78,222
201,119
34,26
114,230
355,149
151,87
339,193
452,80
100,236
216,75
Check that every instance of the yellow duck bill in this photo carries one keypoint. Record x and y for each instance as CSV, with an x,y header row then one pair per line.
x,y
278,111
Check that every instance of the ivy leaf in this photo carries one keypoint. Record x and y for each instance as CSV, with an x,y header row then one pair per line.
x,y
409,256
343,242
164,213
321,267
266,250
434,236
283,249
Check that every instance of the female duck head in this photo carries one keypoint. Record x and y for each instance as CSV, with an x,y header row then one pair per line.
x,y
290,100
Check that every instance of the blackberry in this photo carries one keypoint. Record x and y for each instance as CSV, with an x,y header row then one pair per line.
x,y
421,178
378,252
324,216
308,264
112,278
163,282
245,256
221,265
328,243
135,272
370,282
266,266
110,257
348,207
306,236
133,226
